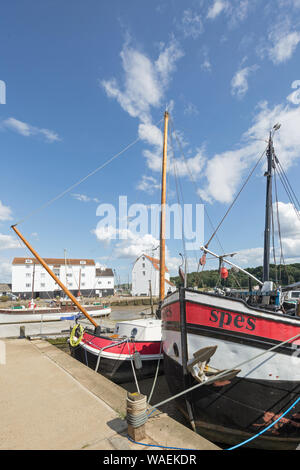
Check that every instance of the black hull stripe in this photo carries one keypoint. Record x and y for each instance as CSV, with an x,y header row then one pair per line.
x,y
238,338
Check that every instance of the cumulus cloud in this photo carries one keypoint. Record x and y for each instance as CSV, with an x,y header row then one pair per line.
x,y
224,171
130,245
145,81
239,83
27,130
5,212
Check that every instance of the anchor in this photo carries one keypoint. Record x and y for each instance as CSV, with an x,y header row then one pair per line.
x,y
201,371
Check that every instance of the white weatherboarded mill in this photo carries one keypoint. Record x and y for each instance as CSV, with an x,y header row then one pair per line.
x,y
145,271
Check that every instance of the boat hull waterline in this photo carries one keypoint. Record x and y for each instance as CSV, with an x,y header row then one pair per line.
x,y
233,410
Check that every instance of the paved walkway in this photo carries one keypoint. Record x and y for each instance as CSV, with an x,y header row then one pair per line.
x,y
48,400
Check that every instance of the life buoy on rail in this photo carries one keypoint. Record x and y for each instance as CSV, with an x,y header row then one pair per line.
x,y
75,336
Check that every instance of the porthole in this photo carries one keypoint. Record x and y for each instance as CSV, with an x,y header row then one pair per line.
x,y
133,332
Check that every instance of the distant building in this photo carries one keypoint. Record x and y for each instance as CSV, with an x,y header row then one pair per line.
x,y
146,270
105,282
5,289
78,275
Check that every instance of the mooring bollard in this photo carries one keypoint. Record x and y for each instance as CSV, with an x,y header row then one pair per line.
x,y
136,415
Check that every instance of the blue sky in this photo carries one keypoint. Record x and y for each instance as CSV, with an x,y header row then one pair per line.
x,y
85,79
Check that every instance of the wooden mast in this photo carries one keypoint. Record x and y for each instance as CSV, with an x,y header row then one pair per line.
x,y
162,270
56,279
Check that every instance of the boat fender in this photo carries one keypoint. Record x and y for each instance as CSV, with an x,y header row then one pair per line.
x,y
76,336
137,360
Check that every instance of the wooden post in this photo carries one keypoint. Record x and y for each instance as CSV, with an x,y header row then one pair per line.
x,y
136,412
67,292
163,212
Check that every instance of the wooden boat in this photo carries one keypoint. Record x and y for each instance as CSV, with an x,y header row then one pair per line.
x,y
207,333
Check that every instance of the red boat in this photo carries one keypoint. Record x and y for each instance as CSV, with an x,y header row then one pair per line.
x,y
252,339
135,343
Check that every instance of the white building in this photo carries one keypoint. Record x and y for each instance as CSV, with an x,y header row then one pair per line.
x,y
104,282
146,270
78,275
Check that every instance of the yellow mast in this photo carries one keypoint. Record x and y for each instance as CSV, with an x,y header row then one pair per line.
x,y
163,213
42,262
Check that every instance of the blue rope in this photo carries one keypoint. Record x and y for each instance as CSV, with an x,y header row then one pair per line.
x,y
230,448
155,445
266,429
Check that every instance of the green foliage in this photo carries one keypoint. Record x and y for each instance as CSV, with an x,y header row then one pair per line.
x,y
283,274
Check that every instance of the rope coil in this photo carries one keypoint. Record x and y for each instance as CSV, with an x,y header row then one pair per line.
x,y
136,411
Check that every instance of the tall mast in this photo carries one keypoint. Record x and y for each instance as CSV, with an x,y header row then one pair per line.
x,y
56,279
268,174
162,265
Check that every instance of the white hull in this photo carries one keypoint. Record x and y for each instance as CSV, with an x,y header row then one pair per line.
x,y
28,317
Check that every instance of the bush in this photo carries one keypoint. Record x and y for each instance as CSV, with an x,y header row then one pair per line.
x,y
4,298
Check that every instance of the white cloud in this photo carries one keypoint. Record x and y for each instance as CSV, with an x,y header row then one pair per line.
x,y
224,171
281,42
239,83
27,130
84,198
8,242
145,82
217,7
5,212
148,184
191,24
134,245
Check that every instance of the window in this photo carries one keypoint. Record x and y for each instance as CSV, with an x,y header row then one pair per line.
x,y
28,285
109,282
69,275
83,283
70,284
28,275
28,266
295,295
143,265
82,274
144,273
99,282
42,274
42,284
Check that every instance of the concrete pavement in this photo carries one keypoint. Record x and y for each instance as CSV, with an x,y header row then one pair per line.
x,y
48,400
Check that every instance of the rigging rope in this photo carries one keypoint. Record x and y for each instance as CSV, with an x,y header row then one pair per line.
x,y
60,195
236,197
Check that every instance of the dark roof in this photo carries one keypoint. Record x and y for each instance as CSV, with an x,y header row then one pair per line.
x,y
56,261
108,272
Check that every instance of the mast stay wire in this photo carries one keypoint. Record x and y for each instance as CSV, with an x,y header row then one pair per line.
x,y
193,181
60,195
196,191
